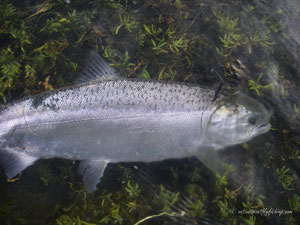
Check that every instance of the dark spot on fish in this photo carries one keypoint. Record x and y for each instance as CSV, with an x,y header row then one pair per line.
x,y
124,87
101,99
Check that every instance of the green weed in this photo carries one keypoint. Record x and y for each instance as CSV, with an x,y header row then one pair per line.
x,y
257,86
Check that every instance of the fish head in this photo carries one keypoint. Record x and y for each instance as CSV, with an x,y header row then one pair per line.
x,y
237,120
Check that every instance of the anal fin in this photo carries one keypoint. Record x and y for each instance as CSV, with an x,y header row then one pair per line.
x,y
92,171
14,161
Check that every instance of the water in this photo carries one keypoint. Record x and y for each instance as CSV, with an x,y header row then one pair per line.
x,y
252,47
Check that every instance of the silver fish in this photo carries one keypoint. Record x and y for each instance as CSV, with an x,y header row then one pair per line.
x,y
110,119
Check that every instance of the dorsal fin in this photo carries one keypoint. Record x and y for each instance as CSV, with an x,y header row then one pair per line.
x,y
96,69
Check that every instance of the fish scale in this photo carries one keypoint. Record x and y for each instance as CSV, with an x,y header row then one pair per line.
x,y
110,119
138,105
145,94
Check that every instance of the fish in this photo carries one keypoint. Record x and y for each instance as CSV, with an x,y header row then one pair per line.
x,y
104,118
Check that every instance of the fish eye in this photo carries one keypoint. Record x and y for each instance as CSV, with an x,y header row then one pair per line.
x,y
252,120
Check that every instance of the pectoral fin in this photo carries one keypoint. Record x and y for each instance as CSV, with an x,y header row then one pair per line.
x,y
92,171
14,161
210,158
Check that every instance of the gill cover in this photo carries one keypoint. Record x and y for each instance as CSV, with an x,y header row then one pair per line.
x,y
237,120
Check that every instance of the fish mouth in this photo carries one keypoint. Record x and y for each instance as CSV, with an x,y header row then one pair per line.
x,y
263,128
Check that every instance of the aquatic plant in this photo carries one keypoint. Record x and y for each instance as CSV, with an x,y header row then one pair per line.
x,y
256,86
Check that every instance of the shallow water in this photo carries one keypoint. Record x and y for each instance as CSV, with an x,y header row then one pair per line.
x,y
251,47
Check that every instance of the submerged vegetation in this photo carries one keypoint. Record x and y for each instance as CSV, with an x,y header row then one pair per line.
x,y
245,46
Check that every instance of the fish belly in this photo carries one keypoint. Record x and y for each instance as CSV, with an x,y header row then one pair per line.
x,y
131,137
